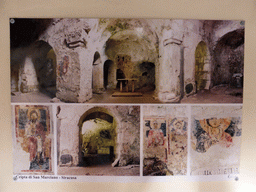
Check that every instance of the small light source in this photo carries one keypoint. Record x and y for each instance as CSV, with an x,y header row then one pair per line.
x,y
12,21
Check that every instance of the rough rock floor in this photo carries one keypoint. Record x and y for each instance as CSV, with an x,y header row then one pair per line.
x,y
100,170
219,94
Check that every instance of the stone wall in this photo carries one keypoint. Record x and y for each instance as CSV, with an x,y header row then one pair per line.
x,y
126,118
168,45
226,47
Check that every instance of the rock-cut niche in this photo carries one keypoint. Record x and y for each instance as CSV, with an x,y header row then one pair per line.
x,y
97,139
36,71
229,59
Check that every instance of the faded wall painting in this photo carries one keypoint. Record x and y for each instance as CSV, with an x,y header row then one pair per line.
x,y
63,66
165,146
177,146
155,141
215,143
112,83
33,139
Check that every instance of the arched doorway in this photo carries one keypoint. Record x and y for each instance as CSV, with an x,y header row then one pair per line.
x,y
147,77
34,70
229,59
96,73
128,48
44,60
109,75
202,66
97,137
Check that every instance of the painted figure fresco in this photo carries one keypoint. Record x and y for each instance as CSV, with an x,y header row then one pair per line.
x,y
215,146
155,135
177,146
165,146
33,138
155,138
63,66
213,131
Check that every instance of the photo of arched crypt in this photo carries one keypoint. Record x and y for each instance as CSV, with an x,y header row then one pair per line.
x,y
126,60
215,140
98,140
32,139
165,140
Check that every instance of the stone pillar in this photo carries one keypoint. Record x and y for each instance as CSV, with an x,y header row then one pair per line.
x,y
86,60
97,75
112,82
68,75
207,69
29,82
169,71
74,60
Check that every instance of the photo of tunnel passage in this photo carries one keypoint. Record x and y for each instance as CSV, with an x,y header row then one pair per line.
x,y
98,143
98,140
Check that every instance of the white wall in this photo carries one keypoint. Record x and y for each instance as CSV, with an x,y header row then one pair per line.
x,y
197,9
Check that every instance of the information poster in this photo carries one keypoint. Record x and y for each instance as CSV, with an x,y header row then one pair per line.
x,y
134,99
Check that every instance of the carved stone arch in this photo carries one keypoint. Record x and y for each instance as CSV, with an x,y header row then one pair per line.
x,y
228,60
38,71
128,44
109,75
95,114
202,66
47,67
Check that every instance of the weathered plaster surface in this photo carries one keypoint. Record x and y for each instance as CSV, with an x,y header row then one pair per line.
x,y
126,120
169,45
221,154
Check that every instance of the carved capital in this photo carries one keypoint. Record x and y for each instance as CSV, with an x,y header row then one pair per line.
x,y
172,41
76,39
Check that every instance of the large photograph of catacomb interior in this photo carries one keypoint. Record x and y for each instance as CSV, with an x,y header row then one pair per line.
x,y
127,60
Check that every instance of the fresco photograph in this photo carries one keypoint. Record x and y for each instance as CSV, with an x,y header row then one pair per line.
x,y
33,140
164,141
216,140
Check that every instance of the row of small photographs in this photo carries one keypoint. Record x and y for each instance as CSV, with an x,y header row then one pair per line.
x,y
103,60
105,140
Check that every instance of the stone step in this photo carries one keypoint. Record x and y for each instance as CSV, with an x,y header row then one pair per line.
x,y
126,94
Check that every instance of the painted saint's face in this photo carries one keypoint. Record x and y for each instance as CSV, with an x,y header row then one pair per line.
x,y
214,122
178,125
33,117
215,131
155,125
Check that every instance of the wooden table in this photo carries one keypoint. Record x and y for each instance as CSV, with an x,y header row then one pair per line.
x,y
127,80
